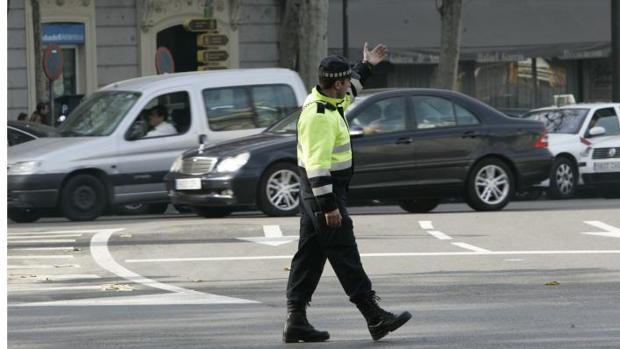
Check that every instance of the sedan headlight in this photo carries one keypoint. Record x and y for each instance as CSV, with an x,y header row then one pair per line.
x,y
177,164
23,167
233,163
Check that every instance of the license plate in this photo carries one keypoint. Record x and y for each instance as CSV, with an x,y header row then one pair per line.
x,y
613,166
187,183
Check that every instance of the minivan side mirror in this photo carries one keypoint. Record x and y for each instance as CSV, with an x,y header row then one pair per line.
x,y
597,131
356,131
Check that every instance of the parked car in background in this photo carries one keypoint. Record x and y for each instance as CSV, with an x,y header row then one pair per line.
x,y
411,146
569,137
105,155
602,166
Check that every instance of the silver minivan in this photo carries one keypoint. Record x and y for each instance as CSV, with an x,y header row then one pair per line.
x,y
117,145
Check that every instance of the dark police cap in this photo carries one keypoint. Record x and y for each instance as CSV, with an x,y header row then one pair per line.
x,y
335,67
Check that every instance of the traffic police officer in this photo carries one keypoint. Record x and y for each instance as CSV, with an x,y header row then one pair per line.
x,y
325,163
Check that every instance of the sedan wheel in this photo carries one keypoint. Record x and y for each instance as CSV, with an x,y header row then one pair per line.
x,y
279,190
23,215
490,185
419,205
563,181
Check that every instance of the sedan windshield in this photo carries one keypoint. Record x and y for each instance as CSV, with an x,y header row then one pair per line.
x,y
288,124
560,120
99,114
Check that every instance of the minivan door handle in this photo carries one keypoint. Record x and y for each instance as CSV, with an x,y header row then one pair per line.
x,y
470,134
404,140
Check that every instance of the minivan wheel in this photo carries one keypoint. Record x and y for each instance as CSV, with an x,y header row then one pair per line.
x,y
23,215
278,190
83,198
490,185
419,205
563,179
211,212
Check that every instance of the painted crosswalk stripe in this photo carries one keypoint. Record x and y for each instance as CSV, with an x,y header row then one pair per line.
x,y
470,247
50,256
63,248
34,237
59,288
43,266
45,241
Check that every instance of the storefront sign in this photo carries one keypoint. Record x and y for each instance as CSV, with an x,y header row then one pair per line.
x,y
63,33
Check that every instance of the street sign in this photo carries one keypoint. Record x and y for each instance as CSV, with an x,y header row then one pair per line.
x,y
52,62
204,40
205,56
200,25
164,63
212,66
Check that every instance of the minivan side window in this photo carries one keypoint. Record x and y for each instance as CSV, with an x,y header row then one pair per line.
x,y
433,112
384,116
608,119
165,115
247,107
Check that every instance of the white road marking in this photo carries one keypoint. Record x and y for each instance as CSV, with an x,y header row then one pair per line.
x,y
90,231
439,235
610,230
514,260
51,256
41,241
470,247
395,254
426,224
101,255
56,288
64,248
61,277
43,266
273,237
26,237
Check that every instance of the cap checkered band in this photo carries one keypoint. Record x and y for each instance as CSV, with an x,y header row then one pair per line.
x,y
336,75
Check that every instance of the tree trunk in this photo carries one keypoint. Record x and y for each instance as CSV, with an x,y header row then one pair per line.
x,y
312,39
39,77
450,11
289,34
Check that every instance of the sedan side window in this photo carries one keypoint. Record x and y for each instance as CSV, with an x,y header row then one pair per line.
x,y
432,112
464,117
384,116
608,119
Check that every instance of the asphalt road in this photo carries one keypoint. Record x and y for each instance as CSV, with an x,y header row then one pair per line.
x,y
543,274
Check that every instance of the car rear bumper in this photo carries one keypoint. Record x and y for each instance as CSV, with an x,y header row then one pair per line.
x,y
533,169
216,191
33,191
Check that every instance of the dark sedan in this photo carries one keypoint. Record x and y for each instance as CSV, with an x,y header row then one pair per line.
x,y
411,146
21,132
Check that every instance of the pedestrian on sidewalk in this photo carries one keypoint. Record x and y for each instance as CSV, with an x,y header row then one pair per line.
x,y
40,115
325,162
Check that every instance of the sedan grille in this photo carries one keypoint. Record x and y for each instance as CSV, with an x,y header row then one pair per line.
x,y
606,153
198,165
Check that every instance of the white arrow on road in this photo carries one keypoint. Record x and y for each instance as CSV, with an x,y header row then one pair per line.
x,y
610,230
273,236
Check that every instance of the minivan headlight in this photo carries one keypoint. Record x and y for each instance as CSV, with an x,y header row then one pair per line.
x,y
177,164
23,167
233,163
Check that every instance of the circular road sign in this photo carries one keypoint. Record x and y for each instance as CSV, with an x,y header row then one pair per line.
x,y
52,62
164,63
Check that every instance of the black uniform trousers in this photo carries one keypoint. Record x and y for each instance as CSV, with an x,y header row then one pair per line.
x,y
318,243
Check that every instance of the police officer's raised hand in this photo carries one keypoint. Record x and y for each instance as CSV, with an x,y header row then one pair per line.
x,y
376,55
333,218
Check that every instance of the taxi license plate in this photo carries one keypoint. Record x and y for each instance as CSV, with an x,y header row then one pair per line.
x,y
187,183
613,166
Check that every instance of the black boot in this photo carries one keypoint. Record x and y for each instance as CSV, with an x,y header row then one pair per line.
x,y
298,329
380,322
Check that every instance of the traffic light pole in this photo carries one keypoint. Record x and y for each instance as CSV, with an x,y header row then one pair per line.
x,y
615,50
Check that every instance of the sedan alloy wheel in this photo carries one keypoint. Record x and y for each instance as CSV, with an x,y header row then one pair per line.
x,y
490,185
279,190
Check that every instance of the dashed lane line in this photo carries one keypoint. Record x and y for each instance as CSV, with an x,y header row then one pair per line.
x,y
609,230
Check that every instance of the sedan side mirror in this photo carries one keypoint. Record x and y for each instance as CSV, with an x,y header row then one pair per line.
x,y
597,131
356,131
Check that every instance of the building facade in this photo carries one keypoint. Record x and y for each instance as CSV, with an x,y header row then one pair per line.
x,y
514,54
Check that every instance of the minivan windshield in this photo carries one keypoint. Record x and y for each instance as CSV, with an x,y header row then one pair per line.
x,y
99,114
560,120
